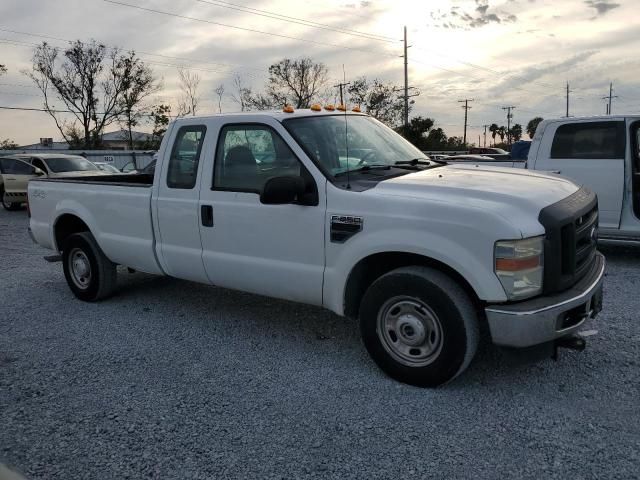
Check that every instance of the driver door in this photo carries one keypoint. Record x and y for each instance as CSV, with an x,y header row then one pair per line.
x,y
273,250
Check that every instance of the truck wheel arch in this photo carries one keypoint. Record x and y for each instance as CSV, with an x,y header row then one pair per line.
x,y
368,269
67,224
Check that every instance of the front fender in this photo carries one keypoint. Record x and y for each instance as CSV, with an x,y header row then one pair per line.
x,y
473,260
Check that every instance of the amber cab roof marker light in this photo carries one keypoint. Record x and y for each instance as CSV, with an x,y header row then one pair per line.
x,y
316,107
329,107
342,108
356,109
288,109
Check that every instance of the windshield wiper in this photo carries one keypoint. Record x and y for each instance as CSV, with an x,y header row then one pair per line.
x,y
364,168
416,161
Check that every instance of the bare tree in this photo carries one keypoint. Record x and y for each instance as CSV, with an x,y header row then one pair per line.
x,y
291,81
88,80
220,92
243,94
3,69
189,83
139,82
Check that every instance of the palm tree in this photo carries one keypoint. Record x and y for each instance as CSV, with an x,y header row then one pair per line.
x,y
493,129
502,131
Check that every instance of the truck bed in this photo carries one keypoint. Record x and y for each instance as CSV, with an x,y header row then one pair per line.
x,y
118,216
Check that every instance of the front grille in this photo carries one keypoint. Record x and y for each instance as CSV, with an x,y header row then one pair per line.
x,y
570,240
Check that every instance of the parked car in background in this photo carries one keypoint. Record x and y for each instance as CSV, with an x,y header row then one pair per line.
x,y
421,252
106,167
18,169
487,150
15,174
484,160
59,165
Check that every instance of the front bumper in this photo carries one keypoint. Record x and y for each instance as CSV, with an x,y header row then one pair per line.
x,y
545,319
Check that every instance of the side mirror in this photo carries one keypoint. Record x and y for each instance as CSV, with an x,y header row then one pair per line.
x,y
280,190
38,171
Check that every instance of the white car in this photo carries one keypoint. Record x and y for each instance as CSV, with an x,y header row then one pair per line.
x,y
337,210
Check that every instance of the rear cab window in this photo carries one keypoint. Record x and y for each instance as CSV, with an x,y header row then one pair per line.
x,y
185,156
589,140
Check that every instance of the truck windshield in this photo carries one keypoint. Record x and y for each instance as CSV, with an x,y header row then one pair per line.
x,y
362,142
69,164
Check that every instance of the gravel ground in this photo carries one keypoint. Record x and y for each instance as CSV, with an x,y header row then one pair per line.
x,y
170,379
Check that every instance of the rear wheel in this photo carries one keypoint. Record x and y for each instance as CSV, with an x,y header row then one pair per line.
x,y
91,276
419,326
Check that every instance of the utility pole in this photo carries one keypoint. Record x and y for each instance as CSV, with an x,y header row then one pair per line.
x,y
341,86
485,135
611,96
509,117
406,88
406,82
567,99
466,110
479,140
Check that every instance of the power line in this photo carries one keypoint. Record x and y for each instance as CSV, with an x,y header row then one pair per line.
x,y
50,37
299,21
235,27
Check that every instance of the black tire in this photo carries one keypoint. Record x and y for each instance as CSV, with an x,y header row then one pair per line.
x,y
100,281
436,310
8,205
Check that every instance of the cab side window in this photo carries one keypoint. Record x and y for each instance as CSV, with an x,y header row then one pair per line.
x,y
248,155
589,140
185,155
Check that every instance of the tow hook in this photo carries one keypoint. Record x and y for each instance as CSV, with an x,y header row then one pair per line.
x,y
572,342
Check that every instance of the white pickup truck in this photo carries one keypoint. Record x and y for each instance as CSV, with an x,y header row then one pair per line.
x,y
335,209
602,153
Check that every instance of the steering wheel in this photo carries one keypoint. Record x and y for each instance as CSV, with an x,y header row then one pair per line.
x,y
365,157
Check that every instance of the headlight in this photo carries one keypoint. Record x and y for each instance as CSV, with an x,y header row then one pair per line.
x,y
519,266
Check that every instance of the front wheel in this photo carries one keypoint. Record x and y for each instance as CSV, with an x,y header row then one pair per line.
x,y
8,204
91,276
419,326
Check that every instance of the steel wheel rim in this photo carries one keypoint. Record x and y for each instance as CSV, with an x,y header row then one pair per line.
x,y
5,202
79,268
410,331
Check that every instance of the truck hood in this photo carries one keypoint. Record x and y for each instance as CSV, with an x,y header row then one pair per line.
x,y
507,191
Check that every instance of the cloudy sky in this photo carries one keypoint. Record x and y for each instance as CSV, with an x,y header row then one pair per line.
x,y
497,52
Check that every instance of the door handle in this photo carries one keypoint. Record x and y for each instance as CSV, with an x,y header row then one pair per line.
x,y
556,171
206,214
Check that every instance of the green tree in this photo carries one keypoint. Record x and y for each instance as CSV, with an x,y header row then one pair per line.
x,y
436,139
532,126
516,132
160,117
417,132
379,99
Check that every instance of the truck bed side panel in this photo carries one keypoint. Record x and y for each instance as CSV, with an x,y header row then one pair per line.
x,y
118,216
